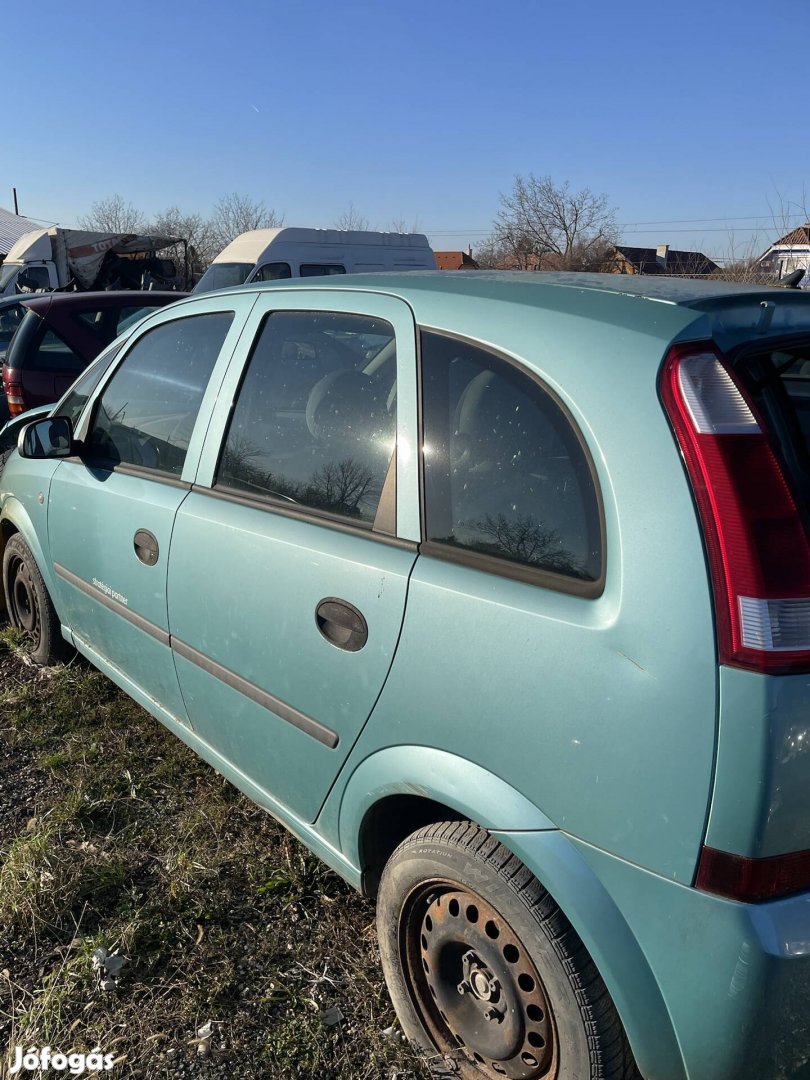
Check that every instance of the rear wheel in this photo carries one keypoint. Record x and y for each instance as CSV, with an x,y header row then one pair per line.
x,y
29,604
484,969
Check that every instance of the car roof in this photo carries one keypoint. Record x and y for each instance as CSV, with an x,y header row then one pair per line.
x,y
42,302
15,298
532,287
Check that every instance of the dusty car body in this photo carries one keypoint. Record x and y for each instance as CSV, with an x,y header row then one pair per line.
x,y
495,589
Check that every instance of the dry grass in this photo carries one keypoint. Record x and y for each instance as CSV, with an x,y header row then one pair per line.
x,y
113,834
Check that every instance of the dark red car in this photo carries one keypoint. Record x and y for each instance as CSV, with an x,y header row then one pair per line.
x,y
61,333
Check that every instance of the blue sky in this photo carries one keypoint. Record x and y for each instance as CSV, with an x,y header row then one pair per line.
x,y
422,110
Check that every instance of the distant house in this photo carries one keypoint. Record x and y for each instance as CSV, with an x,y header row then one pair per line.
x,y
790,252
12,227
662,260
456,260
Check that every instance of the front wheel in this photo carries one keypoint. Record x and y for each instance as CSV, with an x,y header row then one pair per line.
x,y
484,969
29,604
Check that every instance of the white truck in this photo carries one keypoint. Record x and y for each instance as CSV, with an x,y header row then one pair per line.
x,y
57,258
272,254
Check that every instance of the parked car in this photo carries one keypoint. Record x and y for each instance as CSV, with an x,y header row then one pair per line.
x,y
11,313
506,614
61,333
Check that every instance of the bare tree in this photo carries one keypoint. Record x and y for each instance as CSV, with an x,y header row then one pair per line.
x,y
113,215
528,541
494,253
340,486
235,214
543,225
195,230
398,224
744,261
741,263
353,220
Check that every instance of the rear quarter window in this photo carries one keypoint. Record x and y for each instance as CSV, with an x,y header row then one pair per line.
x,y
509,485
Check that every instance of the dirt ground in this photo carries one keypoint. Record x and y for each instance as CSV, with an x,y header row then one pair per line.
x,y
242,954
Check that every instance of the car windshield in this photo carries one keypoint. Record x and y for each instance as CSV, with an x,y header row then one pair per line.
x,y
7,274
223,276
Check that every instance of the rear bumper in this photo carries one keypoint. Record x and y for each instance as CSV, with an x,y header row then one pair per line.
x,y
760,805
707,989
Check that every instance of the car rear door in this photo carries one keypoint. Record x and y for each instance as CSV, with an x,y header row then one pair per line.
x,y
111,511
290,558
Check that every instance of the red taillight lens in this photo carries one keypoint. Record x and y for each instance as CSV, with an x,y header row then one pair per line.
x,y
13,391
758,550
753,880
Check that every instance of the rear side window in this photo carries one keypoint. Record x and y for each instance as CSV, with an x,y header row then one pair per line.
x,y
321,269
128,316
508,482
96,321
146,414
314,424
53,354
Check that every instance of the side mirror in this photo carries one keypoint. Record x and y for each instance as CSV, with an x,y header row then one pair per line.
x,y
50,438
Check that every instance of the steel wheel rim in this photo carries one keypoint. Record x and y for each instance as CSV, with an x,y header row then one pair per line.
x,y
474,984
24,609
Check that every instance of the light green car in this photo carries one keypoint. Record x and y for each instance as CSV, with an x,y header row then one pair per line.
x,y
494,589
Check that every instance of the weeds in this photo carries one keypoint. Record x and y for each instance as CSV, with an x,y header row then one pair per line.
x,y
114,835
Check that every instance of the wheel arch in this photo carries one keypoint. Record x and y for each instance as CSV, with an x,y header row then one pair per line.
x,y
389,796
16,520
7,530
404,787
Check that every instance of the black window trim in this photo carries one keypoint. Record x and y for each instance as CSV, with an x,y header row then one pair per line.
x,y
493,564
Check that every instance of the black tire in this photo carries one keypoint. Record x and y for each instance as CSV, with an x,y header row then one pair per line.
x,y
484,969
29,604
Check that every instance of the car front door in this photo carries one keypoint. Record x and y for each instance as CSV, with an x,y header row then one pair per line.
x,y
302,527
111,510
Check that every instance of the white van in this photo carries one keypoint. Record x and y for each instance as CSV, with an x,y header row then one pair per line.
x,y
271,254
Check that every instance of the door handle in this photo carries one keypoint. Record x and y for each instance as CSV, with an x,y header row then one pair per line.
x,y
341,624
146,547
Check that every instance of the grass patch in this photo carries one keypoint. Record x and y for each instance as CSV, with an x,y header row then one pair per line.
x,y
113,834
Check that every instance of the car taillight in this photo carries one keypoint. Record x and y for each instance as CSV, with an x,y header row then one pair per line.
x,y
757,547
753,880
14,390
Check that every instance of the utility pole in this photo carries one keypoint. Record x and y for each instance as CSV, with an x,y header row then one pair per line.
x,y
16,208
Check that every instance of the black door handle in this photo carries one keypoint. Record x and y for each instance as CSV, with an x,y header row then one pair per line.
x,y
341,624
146,547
